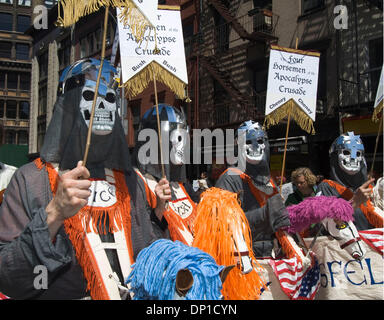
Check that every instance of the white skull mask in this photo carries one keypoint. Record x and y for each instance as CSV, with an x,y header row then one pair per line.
x,y
349,164
254,150
104,118
350,152
178,139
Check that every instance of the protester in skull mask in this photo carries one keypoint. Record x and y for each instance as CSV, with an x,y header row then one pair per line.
x,y
172,195
58,214
349,180
259,196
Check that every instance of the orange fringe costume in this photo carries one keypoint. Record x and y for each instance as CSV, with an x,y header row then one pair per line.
x,y
218,214
179,225
367,208
78,225
290,248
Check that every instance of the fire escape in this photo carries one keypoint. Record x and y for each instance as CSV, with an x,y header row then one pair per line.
x,y
219,61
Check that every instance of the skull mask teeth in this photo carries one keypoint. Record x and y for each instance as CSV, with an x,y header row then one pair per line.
x,y
104,118
348,163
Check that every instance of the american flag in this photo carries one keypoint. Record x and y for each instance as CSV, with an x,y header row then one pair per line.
x,y
374,238
297,283
3,297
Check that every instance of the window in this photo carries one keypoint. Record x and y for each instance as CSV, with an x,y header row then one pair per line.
x,y
6,22
11,109
2,104
24,110
41,128
26,3
23,137
6,1
160,97
375,63
64,53
43,65
5,49
310,5
12,80
91,43
10,137
2,79
42,101
23,23
22,51
25,81
83,48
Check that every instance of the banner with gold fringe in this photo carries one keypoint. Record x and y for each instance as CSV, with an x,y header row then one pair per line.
x,y
292,87
379,101
160,57
137,14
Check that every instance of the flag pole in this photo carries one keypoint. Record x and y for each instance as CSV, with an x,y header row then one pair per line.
x,y
97,86
286,138
158,124
377,143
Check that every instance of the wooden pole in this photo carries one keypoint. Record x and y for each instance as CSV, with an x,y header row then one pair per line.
x,y
286,136
158,124
97,86
377,143
285,147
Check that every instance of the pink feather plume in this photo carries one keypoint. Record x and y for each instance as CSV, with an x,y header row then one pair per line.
x,y
315,209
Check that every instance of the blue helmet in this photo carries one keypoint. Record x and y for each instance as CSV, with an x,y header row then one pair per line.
x,y
84,73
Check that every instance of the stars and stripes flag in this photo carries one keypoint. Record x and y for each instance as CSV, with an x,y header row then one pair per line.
x,y
296,282
3,297
374,238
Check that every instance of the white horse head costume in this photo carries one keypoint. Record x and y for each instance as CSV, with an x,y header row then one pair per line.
x,y
335,214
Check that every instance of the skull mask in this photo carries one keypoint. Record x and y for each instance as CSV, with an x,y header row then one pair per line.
x,y
350,152
175,137
104,118
255,142
178,138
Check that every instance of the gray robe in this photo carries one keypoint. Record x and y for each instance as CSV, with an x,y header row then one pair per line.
x,y
263,221
25,240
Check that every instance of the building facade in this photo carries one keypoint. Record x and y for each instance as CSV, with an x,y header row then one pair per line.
x,y
227,45
15,74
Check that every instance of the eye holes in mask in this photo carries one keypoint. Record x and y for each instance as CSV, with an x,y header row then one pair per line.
x,y
88,95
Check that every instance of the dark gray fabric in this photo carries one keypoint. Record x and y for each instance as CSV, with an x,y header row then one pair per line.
x,y
360,220
25,241
263,221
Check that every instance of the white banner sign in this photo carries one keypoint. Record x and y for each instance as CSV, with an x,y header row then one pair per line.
x,y
169,40
341,276
292,74
380,90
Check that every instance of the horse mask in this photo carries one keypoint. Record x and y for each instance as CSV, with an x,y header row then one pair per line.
x,y
254,149
348,165
175,135
65,140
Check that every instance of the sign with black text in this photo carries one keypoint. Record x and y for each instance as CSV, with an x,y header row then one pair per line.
x,y
293,74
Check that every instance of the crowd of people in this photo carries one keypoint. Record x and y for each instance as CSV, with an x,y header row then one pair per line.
x,y
68,217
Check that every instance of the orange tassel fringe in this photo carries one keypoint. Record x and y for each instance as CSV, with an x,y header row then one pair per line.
x,y
118,215
217,214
